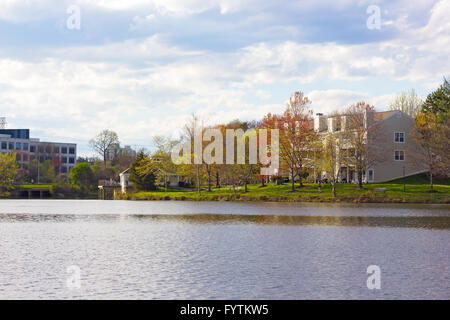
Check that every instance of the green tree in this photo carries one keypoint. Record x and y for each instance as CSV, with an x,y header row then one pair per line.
x,y
33,167
82,175
438,102
432,133
161,163
8,170
47,172
142,173
101,172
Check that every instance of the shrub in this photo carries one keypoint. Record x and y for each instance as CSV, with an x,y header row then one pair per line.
x,y
65,190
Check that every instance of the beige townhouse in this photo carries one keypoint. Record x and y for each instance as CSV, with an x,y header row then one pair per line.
x,y
392,150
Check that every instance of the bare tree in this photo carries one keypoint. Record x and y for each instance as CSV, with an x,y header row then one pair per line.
x,y
194,126
103,141
363,139
332,157
408,102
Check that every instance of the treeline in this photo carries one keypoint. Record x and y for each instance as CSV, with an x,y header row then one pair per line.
x,y
82,180
305,153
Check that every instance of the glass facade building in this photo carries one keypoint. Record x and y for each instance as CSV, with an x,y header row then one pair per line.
x,y
17,133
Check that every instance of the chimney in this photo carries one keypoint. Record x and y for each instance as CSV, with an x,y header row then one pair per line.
x,y
320,123
369,118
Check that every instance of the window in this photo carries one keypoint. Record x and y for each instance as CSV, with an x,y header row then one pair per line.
x,y
370,175
18,145
25,146
399,137
64,159
25,157
399,155
40,149
71,160
72,150
11,146
64,169
18,157
48,149
56,150
63,149
4,145
33,149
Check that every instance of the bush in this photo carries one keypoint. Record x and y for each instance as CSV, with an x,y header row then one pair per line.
x,y
83,176
65,190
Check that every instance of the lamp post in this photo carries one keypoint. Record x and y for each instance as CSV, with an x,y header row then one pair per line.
x,y
404,183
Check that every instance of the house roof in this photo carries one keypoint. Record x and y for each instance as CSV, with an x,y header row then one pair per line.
x,y
378,115
166,172
384,114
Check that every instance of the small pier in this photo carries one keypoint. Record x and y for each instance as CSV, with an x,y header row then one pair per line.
x,y
32,193
107,189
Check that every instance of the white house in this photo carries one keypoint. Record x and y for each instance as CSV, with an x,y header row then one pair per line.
x,y
172,179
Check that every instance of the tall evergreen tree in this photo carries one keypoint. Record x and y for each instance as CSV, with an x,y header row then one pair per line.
x,y
438,102
142,179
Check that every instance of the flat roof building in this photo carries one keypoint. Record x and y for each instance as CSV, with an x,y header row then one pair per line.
x,y
62,155
16,133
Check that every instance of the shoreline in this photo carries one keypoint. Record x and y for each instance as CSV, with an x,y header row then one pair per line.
x,y
345,193
299,198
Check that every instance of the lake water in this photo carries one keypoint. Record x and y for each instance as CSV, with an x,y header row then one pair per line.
x,y
221,250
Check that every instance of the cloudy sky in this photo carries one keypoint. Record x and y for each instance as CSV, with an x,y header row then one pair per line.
x,y
141,67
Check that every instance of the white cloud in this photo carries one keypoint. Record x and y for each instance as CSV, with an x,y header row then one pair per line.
x,y
145,49
143,87
140,22
25,10
327,101
179,7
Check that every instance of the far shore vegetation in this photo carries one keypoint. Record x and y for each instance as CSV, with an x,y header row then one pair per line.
x,y
416,191
301,177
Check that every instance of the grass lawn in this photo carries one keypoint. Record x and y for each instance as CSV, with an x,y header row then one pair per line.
x,y
415,193
35,185
421,178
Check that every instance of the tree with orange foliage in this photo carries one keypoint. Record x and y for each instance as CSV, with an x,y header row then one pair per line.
x,y
296,134
433,135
